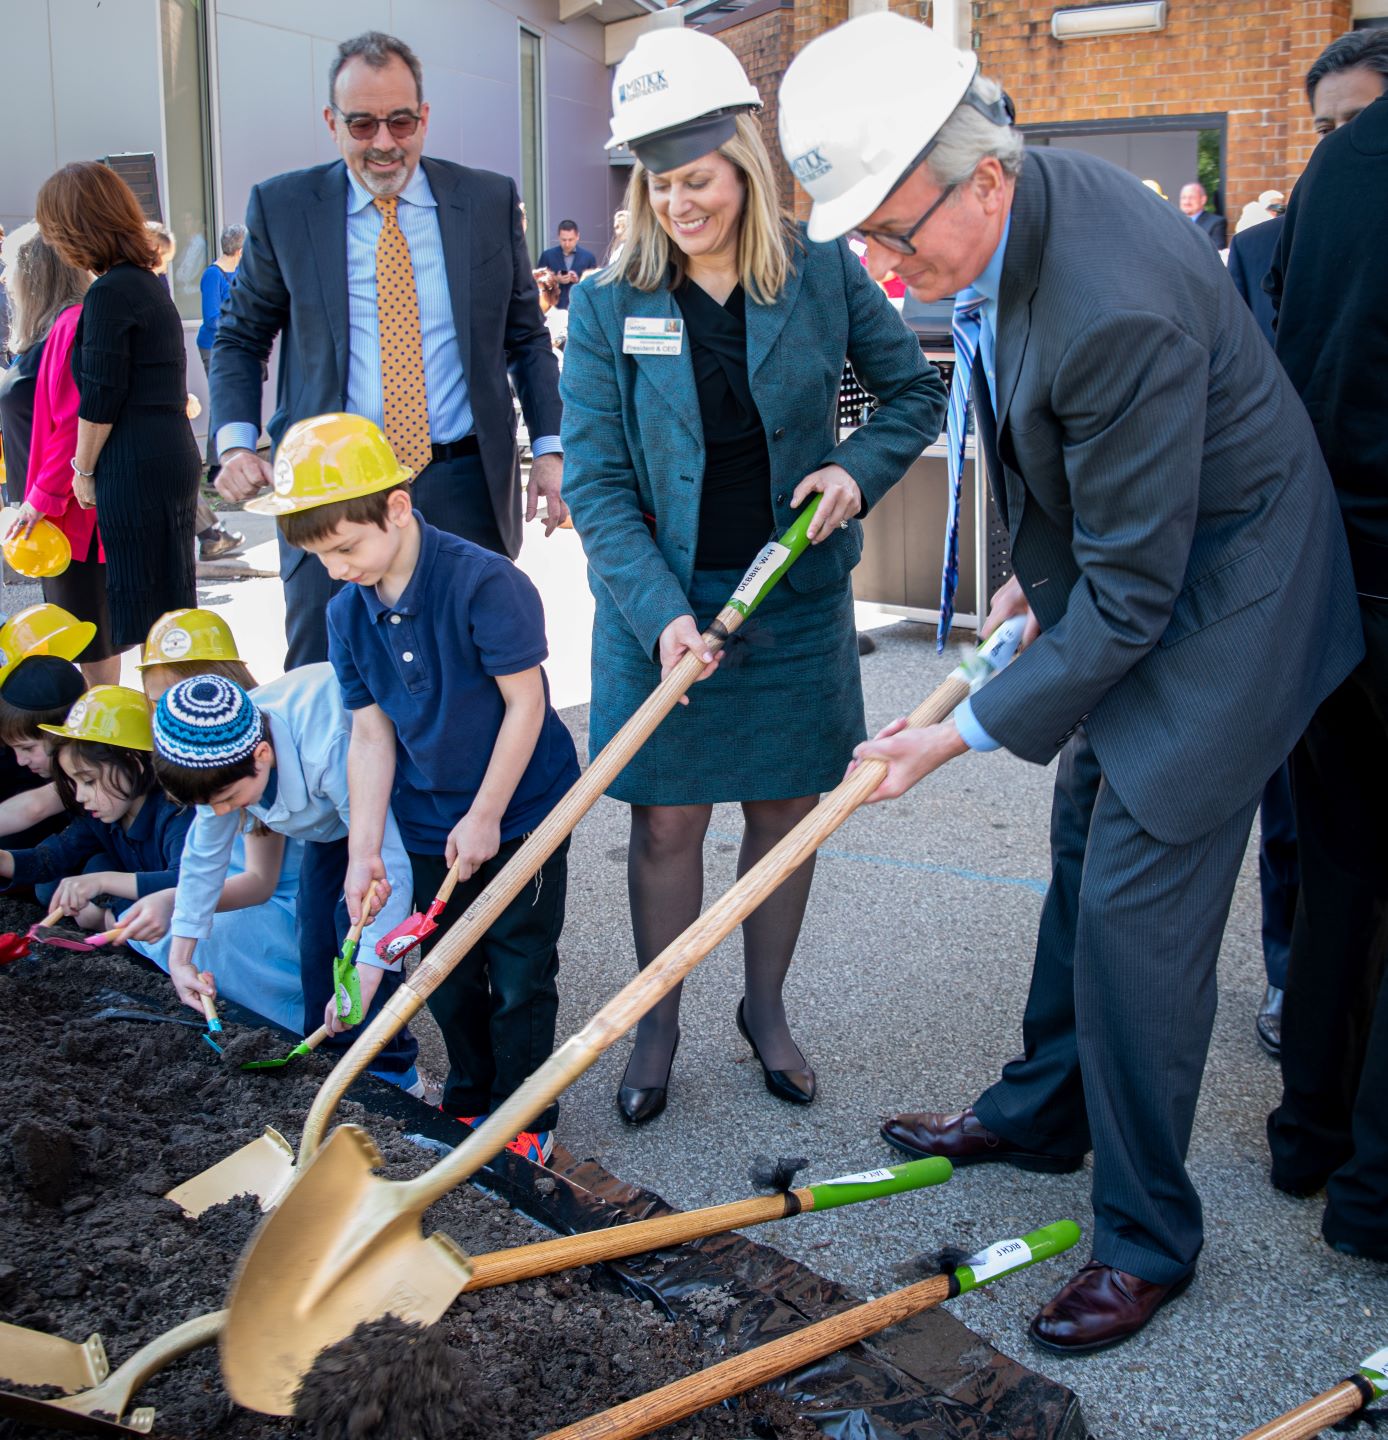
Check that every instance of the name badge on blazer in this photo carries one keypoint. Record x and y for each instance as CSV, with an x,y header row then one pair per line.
x,y
652,335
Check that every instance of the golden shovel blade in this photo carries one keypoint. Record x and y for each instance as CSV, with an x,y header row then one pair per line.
x,y
30,1357
342,1246
264,1167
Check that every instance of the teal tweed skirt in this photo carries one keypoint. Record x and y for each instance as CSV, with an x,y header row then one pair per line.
x,y
779,717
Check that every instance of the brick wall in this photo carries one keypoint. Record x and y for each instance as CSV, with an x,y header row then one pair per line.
x,y
1244,59
763,45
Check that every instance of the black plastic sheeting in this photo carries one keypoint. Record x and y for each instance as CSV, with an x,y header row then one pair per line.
x,y
930,1378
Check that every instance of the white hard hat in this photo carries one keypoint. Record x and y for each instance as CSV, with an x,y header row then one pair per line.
x,y
676,96
860,107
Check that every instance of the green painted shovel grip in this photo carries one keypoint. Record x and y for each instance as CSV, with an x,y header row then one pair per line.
x,y
1375,1371
347,985
891,1180
773,561
1006,1256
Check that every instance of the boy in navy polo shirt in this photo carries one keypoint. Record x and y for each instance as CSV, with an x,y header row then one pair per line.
x,y
437,644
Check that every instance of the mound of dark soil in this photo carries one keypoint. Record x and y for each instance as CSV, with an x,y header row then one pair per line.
x,y
100,1118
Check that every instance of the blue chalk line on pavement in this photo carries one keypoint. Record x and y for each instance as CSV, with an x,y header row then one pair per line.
x,y
923,867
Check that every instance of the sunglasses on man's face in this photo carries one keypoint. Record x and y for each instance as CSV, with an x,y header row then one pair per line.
x,y
401,124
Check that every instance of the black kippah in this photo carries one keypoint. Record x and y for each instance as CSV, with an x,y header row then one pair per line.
x,y
43,682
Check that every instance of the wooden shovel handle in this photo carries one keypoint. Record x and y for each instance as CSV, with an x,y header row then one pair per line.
x,y
518,872
673,1402
364,917
524,1262
663,973
312,1042
1316,1415
450,883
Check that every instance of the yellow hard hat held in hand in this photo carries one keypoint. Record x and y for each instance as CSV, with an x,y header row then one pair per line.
x,y
42,630
108,715
41,554
327,459
183,635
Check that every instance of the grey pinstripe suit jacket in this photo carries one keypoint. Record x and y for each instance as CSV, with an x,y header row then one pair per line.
x,y
1172,520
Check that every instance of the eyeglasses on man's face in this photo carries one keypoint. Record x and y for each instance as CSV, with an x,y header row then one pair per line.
x,y
401,124
901,244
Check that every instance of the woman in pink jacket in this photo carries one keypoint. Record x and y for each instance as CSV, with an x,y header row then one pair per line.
x,y
81,588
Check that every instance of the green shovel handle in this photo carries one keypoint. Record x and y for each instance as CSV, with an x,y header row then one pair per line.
x,y
772,561
1375,1371
1006,1256
870,1184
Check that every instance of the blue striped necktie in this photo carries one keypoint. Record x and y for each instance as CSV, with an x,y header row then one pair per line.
x,y
968,321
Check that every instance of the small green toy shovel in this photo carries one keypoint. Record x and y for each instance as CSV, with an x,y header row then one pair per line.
x,y
346,982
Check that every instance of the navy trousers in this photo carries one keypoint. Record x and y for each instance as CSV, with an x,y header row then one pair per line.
x,y
497,1008
451,494
1332,1121
1119,1015
1278,876
322,925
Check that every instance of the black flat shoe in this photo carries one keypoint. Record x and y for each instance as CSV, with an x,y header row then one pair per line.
x,y
796,1086
639,1103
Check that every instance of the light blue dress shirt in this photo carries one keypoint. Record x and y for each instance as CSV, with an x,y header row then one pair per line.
x,y
450,411
310,731
987,285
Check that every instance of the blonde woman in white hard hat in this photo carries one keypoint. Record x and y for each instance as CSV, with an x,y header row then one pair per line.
x,y
699,390
1186,588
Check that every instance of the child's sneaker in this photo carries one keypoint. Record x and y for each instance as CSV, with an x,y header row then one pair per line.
x,y
406,1080
533,1145
471,1121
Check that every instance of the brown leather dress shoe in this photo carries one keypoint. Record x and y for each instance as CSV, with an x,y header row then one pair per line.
x,y
964,1139
1100,1307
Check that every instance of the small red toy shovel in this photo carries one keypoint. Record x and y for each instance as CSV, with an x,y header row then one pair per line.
x,y
409,932
14,946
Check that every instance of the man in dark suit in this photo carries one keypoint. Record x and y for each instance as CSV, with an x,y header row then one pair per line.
x,y
1186,588
1193,201
567,261
440,247
1331,1128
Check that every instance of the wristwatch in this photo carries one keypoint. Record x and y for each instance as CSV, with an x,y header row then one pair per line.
x,y
77,470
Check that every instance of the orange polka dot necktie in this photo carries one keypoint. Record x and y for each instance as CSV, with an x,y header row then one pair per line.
x,y
406,405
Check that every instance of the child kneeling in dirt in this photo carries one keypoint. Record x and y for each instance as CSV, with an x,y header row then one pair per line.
x,y
105,779
282,759
438,646
252,948
31,694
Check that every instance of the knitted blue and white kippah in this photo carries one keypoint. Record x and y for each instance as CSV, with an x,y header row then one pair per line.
x,y
206,722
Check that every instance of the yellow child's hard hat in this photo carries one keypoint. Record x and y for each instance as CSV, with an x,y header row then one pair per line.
x,y
184,635
42,630
108,715
327,459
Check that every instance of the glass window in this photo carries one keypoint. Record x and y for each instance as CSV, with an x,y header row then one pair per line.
x,y
187,148
532,142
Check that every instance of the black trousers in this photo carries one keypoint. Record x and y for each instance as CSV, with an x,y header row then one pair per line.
x,y
321,923
1119,1014
497,1008
1333,1121
451,494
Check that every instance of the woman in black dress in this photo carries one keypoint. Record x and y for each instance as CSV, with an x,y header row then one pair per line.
x,y
136,461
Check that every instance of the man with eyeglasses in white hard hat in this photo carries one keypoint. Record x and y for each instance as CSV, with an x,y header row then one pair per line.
x,y
1187,589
